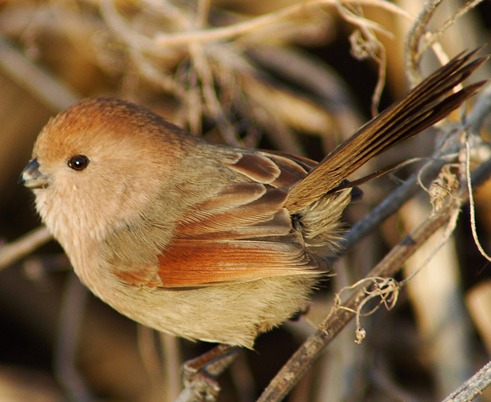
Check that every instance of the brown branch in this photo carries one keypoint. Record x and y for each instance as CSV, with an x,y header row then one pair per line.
x,y
418,31
42,85
23,246
304,357
72,312
473,387
413,54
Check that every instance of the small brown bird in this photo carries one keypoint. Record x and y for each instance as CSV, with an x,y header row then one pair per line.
x,y
206,241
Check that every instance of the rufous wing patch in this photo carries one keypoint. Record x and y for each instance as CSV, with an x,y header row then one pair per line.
x,y
250,237
198,263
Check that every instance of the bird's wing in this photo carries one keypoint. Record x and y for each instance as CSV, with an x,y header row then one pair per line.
x,y
242,234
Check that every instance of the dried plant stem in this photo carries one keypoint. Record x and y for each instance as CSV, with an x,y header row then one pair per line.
x,y
162,41
477,242
433,37
253,24
473,387
199,374
68,341
203,12
478,300
49,90
303,358
366,44
23,246
481,110
171,356
413,54
149,354
434,290
415,49
315,77
210,96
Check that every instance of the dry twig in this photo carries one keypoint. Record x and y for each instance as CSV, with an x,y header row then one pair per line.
x,y
22,247
472,387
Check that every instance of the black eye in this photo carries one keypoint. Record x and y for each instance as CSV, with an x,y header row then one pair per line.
x,y
78,162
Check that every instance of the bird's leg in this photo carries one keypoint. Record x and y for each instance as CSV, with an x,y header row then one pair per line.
x,y
199,374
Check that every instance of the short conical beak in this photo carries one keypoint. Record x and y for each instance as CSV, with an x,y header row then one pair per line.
x,y
31,177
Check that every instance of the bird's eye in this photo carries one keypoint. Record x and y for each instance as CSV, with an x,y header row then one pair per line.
x,y
78,162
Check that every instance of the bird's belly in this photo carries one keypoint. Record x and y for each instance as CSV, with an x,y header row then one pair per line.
x,y
227,313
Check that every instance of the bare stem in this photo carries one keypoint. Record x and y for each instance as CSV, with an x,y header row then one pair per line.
x,y
473,387
23,246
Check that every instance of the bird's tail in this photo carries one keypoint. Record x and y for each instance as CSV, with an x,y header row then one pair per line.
x,y
426,104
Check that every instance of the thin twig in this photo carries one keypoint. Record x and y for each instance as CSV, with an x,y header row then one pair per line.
x,y
315,77
161,42
364,43
481,110
417,30
45,87
149,354
171,356
433,37
415,49
252,25
23,246
472,208
473,387
68,340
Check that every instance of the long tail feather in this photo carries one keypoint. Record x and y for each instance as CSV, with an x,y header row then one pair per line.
x,y
423,106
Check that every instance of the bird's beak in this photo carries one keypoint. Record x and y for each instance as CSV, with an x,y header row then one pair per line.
x,y
31,177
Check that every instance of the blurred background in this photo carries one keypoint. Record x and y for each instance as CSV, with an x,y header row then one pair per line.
x,y
283,74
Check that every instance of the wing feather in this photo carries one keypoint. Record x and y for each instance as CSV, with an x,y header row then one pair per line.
x,y
244,233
